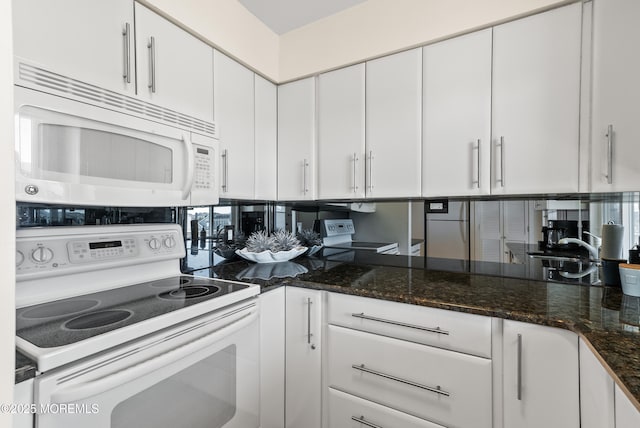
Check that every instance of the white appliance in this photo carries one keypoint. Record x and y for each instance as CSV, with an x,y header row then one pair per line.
x,y
69,152
447,229
337,234
122,339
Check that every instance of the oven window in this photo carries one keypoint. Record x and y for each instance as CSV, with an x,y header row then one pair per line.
x,y
201,396
93,153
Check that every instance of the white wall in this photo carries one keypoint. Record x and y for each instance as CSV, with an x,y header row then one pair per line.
x,y
228,26
7,214
367,30
378,27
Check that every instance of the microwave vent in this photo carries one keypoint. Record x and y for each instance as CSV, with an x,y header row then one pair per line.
x,y
62,85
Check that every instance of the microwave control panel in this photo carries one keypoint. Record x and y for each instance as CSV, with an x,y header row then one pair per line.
x,y
203,174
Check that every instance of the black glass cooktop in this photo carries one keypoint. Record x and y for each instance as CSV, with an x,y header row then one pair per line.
x,y
67,321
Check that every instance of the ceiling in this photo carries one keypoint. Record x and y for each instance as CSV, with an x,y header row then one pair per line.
x,y
283,16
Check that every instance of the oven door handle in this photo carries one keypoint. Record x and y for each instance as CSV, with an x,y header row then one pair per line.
x,y
104,383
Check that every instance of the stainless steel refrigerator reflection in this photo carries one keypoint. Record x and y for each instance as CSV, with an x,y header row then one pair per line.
x,y
447,232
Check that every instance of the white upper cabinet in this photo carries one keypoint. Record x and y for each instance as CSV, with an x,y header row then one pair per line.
x,y
616,95
174,69
266,139
234,112
91,41
394,125
296,140
341,128
540,377
536,100
457,116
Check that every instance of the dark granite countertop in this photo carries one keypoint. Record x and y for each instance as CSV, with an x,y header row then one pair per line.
x,y
25,368
606,318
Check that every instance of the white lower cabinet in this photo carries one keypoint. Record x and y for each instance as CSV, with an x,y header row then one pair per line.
x,y
303,381
444,387
23,396
540,377
627,415
349,411
272,373
596,392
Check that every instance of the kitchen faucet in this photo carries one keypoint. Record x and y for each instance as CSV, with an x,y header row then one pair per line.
x,y
593,251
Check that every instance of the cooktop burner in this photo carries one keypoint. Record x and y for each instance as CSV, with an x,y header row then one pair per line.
x,y
190,292
68,307
97,319
74,319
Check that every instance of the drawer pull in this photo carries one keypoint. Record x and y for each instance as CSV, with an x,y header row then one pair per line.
x,y
364,422
437,330
436,389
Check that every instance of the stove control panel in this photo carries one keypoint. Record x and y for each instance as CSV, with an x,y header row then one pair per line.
x,y
336,227
61,250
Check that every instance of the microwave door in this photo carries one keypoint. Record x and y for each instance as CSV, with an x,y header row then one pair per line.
x,y
77,154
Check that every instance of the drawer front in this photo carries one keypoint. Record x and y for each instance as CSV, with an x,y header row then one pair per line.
x,y
445,329
445,387
348,411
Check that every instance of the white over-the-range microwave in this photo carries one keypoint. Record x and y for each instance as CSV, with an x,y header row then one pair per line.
x,y
72,152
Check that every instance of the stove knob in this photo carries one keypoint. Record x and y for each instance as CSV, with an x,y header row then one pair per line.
x,y
169,242
154,243
19,258
42,255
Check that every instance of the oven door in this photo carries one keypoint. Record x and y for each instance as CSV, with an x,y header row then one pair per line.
x,y
203,374
72,153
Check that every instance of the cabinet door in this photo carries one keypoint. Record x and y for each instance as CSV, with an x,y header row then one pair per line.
x,y
341,133
394,125
596,392
303,383
86,40
627,415
296,140
616,95
540,378
457,116
174,69
266,139
272,344
536,95
234,112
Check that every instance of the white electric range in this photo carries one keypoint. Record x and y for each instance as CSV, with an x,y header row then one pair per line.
x,y
337,234
110,320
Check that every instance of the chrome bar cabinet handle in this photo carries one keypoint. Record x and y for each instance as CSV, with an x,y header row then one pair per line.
x,y
437,330
610,154
477,180
225,170
434,389
305,166
519,372
152,64
126,72
355,179
365,422
370,171
309,335
501,162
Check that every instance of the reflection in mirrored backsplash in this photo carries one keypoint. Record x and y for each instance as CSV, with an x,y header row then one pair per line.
x,y
43,215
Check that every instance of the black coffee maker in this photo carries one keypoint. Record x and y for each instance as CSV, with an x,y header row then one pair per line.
x,y
558,229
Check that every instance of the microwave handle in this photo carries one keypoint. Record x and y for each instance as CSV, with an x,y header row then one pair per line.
x,y
190,172
92,388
